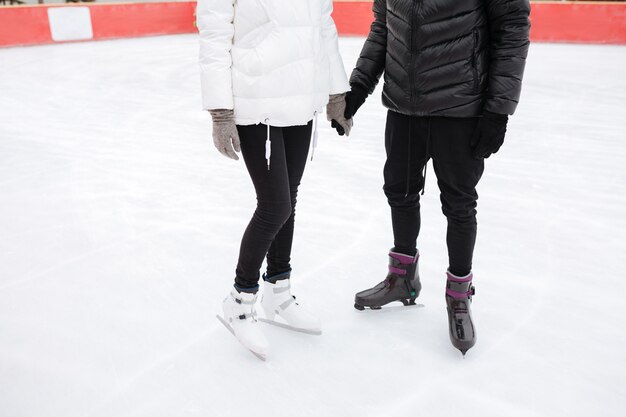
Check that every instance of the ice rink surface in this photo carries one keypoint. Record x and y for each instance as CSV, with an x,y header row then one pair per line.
x,y
120,226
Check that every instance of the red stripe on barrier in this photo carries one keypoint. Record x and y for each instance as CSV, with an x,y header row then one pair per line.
x,y
142,19
24,26
582,22
353,18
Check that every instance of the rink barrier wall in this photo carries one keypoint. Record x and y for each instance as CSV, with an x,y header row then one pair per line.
x,y
580,22
33,25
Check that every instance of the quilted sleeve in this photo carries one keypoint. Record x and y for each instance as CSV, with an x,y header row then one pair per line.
x,y
509,28
371,62
215,25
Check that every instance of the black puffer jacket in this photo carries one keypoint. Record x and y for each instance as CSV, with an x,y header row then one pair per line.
x,y
446,57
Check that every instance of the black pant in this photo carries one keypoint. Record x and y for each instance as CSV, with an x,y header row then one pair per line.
x,y
270,232
410,142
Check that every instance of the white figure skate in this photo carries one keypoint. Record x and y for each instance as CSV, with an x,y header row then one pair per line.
x,y
240,318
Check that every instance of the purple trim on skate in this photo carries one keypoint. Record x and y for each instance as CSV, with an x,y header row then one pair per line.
x,y
404,259
459,295
454,278
397,271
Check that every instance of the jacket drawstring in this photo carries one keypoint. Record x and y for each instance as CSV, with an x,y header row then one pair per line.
x,y
408,168
408,164
268,145
268,141
314,135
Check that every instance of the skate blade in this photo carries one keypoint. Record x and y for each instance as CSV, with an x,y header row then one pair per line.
x,y
288,327
230,329
387,307
464,351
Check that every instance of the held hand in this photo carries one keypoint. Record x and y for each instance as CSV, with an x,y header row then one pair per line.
x,y
335,125
489,134
354,99
225,136
335,110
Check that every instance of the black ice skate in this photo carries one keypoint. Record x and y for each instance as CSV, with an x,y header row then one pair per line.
x,y
459,292
402,284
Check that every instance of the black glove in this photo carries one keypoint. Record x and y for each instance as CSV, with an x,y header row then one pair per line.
x,y
354,99
335,125
489,134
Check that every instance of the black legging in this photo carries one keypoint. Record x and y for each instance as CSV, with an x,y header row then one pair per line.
x,y
410,142
270,231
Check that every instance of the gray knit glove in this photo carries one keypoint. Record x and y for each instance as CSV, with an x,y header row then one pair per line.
x,y
335,114
225,136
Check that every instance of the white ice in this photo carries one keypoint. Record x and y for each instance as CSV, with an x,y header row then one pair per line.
x,y
120,226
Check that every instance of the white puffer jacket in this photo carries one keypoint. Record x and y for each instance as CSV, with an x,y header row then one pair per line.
x,y
272,61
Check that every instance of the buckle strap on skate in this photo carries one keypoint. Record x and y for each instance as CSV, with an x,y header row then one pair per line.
x,y
278,290
287,303
460,287
245,316
460,295
396,267
241,301
399,264
402,273
397,271
459,290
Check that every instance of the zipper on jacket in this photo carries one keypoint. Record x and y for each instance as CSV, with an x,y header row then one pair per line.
x,y
412,23
474,58
415,22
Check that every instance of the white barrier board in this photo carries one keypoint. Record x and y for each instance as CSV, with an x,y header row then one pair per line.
x,y
70,23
